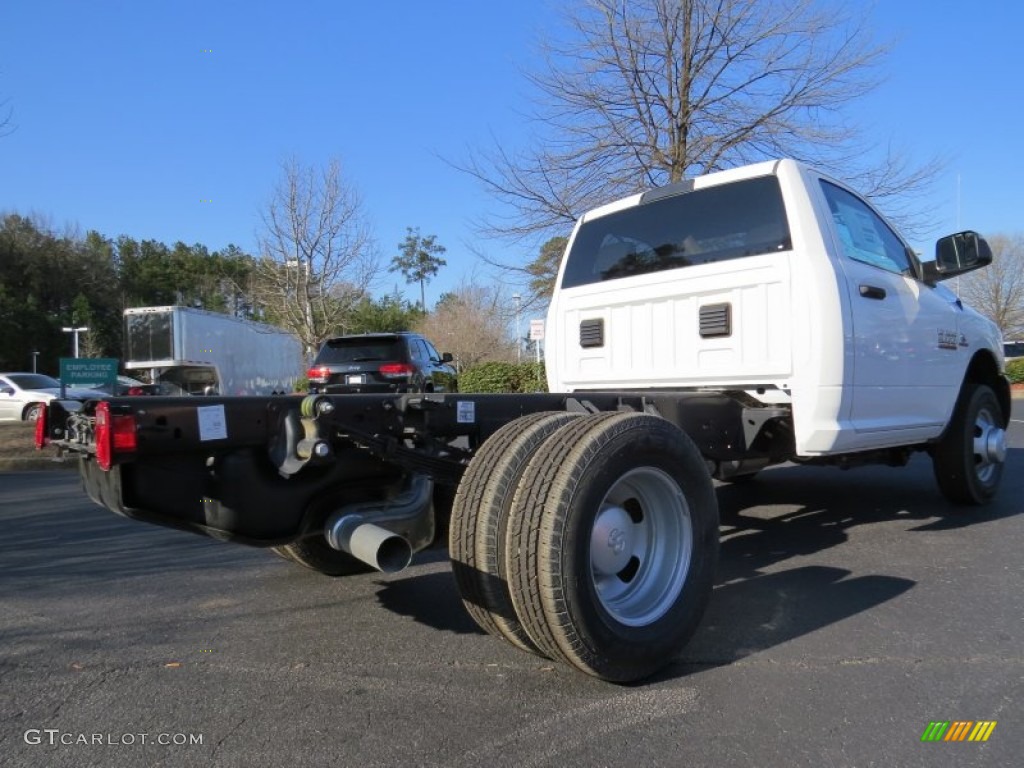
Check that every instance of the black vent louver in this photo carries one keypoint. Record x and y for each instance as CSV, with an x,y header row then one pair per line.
x,y
592,333
715,320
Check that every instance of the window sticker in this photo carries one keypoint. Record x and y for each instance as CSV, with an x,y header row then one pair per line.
x,y
212,423
465,412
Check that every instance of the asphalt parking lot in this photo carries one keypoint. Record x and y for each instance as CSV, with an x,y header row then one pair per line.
x,y
851,610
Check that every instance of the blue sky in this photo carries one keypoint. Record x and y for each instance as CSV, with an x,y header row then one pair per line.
x,y
128,114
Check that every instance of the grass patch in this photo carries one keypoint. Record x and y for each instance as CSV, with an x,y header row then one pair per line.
x,y
18,448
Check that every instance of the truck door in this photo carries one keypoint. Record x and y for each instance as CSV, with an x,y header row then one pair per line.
x,y
904,350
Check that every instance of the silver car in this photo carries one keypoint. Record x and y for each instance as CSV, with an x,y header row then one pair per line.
x,y
23,395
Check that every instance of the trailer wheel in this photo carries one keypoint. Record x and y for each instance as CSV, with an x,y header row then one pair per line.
x,y
479,520
613,543
316,554
968,460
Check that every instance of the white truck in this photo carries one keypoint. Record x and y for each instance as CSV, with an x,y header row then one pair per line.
x,y
707,329
194,352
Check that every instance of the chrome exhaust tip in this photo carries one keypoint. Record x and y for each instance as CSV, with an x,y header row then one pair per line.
x,y
377,547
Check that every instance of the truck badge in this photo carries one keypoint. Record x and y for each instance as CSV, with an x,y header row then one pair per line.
x,y
948,339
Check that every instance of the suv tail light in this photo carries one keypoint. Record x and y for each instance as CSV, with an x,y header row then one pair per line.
x,y
395,370
114,434
42,438
318,374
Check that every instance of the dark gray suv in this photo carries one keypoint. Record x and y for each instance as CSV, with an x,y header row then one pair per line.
x,y
381,362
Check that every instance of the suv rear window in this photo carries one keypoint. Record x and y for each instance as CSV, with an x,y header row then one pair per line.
x,y
729,221
356,350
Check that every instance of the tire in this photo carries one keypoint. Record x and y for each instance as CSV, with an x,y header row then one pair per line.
x,y
612,544
316,554
32,412
968,460
479,520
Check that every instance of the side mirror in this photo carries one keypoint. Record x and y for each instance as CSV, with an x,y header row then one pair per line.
x,y
446,357
962,252
6,391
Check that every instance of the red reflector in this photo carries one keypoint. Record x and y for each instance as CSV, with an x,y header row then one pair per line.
x,y
101,433
41,437
395,369
319,375
114,434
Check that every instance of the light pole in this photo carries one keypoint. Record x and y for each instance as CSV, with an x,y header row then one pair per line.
x,y
35,357
75,331
519,340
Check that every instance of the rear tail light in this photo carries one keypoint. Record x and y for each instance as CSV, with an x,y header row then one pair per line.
x,y
318,374
41,436
395,370
114,434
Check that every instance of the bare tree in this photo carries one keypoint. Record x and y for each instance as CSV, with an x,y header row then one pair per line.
x,y
6,118
997,291
472,323
6,124
647,92
317,257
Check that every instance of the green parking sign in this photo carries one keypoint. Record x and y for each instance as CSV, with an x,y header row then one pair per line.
x,y
88,371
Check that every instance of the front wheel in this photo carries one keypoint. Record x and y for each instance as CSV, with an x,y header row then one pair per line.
x,y
968,460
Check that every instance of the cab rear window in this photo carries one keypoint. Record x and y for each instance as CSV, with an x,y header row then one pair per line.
x,y
730,221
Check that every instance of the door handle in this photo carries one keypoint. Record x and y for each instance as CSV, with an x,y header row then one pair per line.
x,y
872,292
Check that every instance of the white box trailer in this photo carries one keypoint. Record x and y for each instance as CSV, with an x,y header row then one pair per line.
x,y
192,351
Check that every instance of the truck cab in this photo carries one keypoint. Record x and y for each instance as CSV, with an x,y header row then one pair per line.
x,y
781,283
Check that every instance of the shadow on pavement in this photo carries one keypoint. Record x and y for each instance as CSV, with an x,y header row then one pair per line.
x,y
431,599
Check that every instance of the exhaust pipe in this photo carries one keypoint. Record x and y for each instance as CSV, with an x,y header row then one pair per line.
x,y
377,547
350,530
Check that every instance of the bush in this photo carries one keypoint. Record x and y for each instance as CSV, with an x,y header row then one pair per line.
x,y
533,377
1015,371
503,378
489,377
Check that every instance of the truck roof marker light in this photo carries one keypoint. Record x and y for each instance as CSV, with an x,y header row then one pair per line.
x,y
114,434
42,438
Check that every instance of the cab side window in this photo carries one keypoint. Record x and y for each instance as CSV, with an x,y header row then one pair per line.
x,y
863,235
